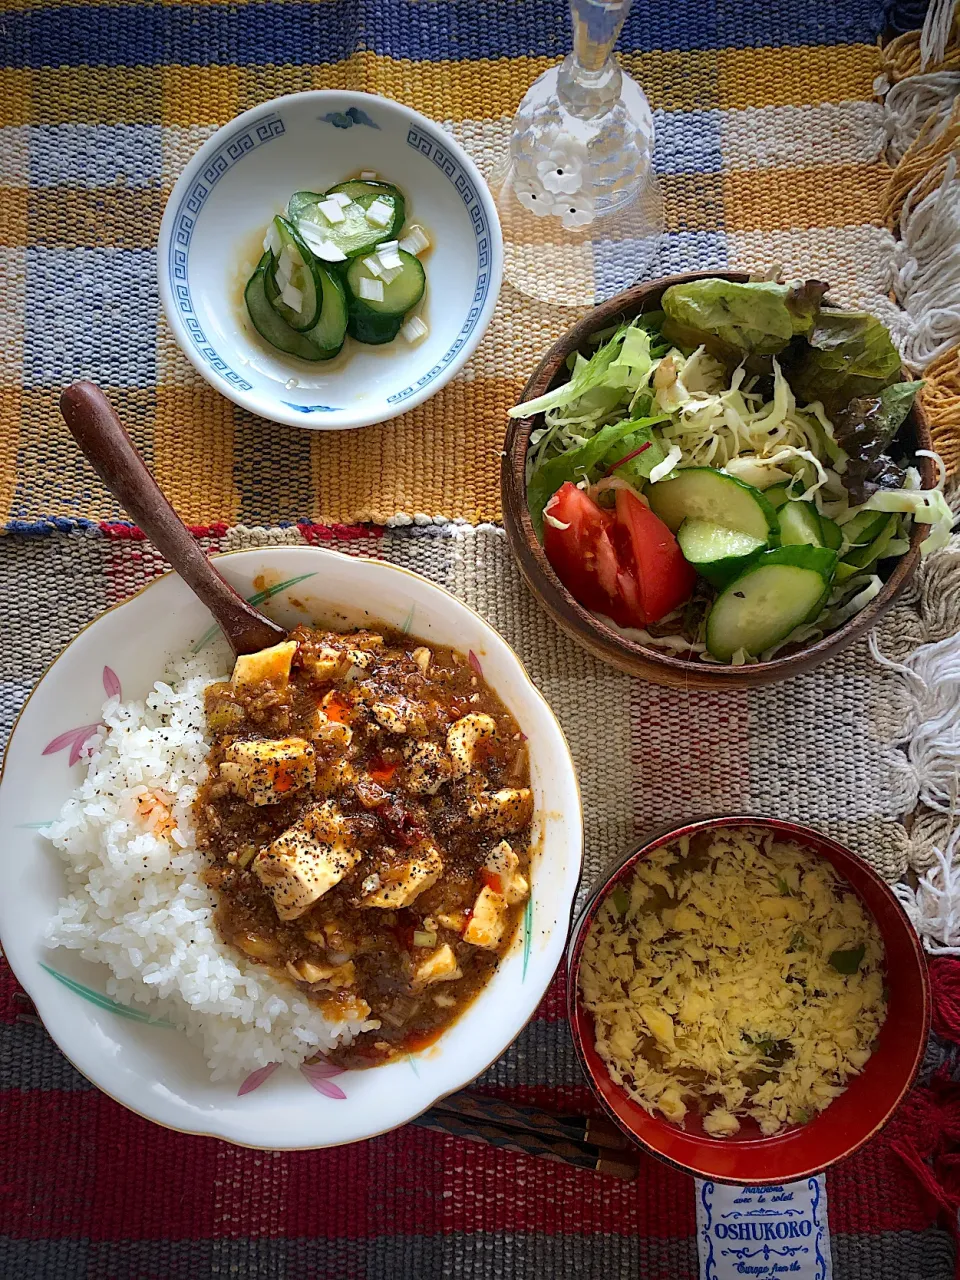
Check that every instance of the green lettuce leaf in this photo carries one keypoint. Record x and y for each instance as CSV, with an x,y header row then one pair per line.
x,y
590,459
758,318
849,355
596,384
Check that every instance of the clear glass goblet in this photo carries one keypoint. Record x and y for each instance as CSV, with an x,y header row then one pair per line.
x,y
578,199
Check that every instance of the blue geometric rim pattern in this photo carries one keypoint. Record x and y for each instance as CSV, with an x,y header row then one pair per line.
x,y
233,149
236,146
448,165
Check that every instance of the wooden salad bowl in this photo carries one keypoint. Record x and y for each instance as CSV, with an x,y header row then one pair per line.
x,y
604,641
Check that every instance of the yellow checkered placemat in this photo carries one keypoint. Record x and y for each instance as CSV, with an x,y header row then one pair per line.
x,y
769,150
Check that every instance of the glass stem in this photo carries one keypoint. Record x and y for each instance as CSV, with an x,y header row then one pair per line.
x,y
589,80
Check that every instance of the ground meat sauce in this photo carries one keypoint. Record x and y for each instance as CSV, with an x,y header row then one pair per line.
x,y
367,823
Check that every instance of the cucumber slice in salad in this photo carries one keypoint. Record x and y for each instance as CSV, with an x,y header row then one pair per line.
x,y
800,525
778,495
702,493
303,278
355,236
261,296
779,591
717,554
832,533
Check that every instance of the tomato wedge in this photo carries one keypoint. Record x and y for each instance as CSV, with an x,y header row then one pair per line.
x,y
666,578
625,563
583,554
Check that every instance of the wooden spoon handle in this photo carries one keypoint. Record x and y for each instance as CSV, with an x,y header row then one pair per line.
x,y
101,436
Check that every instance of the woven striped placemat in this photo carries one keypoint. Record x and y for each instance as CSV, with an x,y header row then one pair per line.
x,y
768,146
96,1193
771,148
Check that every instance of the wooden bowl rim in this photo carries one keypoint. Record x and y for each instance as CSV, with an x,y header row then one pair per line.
x,y
628,654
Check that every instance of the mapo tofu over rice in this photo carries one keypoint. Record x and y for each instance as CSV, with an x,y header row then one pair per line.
x,y
734,976
366,818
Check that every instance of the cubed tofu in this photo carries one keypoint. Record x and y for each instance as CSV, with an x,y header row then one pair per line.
x,y
428,768
270,770
324,662
399,885
454,920
360,658
502,812
333,733
440,966
334,977
463,738
301,865
326,822
336,777
502,861
422,657
268,666
400,715
488,920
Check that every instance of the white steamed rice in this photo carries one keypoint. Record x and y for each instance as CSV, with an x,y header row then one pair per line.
x,y
137,903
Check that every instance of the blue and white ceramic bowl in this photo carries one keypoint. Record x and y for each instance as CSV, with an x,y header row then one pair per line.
x,y
212,233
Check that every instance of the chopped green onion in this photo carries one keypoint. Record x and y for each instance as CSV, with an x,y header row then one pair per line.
x,y
783,887
246,855
848,961
621,900
424,938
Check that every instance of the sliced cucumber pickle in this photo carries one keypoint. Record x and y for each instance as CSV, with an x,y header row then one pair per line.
x,y
299,201
717,554
354,236
702,493
800,525
303,277
399,296
780,590
260,296
373,329
331,329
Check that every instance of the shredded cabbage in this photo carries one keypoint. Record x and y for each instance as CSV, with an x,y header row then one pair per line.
x,y
664,468
926,506
601,390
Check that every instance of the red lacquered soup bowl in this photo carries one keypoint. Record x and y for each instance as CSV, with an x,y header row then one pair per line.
x,y
869,1099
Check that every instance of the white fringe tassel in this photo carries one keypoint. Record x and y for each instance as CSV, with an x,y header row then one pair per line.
x,y
930,738
934,906
926,272
936,32
909,105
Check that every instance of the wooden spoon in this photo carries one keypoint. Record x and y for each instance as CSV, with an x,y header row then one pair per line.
x,y
100,434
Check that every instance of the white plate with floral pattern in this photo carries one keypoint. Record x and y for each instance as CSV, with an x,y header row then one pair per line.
x,y
152,1068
